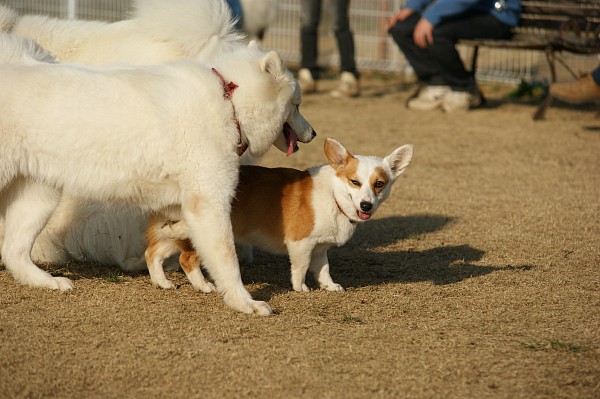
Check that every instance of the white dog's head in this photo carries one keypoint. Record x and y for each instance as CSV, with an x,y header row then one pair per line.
x,y
362,183
267,100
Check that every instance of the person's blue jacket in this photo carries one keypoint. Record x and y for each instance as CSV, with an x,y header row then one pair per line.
x,y
435,11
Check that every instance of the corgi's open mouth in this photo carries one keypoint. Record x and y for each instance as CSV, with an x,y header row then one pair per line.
x,y
291,139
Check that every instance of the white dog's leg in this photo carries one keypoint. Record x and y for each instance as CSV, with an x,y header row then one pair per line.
x,y
212,236
28,207
319,266
300,261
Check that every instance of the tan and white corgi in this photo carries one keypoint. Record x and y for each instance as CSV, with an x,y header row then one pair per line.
x,y
299,212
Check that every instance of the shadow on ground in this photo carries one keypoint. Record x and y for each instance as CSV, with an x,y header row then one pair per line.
x,y
360,263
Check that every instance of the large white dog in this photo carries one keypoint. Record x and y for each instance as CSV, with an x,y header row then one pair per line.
x,y
159,31
162,138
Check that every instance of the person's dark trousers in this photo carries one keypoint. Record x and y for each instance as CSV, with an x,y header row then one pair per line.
x,y
310,18
596,75
440,63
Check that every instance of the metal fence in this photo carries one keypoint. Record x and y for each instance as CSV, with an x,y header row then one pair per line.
x,y
374,48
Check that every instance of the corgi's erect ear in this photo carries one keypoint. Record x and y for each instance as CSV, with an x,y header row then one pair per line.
x,y
271,63
336,153
399,159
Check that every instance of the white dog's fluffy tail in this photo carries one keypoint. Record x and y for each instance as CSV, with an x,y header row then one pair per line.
x,y
20,50
201,27
8,18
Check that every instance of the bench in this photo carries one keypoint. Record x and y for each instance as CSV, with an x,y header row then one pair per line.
x,y
551,26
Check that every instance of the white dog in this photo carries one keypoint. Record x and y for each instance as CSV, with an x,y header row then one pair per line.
x,y
309,212
162,138
159,31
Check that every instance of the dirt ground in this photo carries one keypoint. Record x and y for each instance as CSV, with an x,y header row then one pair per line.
x,y
478,278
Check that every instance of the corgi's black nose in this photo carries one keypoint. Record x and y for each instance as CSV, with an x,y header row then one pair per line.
x,y
366,206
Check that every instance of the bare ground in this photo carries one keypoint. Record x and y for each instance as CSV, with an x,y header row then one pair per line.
x,y
478,278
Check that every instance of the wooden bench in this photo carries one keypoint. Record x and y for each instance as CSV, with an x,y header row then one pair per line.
x,y
551,26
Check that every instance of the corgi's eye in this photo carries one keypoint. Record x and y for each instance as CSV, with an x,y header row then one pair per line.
x,y
355,182
379,184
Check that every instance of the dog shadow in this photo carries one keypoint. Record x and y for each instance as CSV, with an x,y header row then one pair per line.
x,y
362,263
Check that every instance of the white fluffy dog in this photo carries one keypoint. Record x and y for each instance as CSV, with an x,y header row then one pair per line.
x,y
158,31
162,138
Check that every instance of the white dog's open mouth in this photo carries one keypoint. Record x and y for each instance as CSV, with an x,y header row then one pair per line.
x,y
363,215
291,139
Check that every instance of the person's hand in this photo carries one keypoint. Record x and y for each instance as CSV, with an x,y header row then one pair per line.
x,y
399,16
423,33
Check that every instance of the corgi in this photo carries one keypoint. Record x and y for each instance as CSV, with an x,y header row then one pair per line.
x,y
299,212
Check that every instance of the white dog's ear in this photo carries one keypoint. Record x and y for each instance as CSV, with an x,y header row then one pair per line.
x,y
399,159
272,63
254,45
336,153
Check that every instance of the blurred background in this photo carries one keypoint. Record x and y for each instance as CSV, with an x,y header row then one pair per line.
x,y
375,50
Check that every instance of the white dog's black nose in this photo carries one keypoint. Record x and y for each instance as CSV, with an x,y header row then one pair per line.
x,y
366,206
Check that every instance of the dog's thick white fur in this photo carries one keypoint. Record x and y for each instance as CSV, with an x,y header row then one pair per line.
x,y
308,212
161,138
158,31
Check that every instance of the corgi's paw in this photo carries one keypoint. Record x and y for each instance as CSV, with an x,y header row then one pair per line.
x,y
163,283
334,287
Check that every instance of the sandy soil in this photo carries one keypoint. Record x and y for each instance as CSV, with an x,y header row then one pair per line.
x,y
478,278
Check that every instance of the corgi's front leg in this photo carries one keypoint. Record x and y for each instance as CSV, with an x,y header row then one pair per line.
x,y
300,261
319,266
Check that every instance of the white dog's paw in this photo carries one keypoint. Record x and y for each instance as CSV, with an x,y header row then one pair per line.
x,y
334,287
300,287
248,306
261,308
57,283
205,287
163,283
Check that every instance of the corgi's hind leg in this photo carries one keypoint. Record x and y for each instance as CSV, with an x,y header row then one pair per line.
x,y
28,205
190,263
157,251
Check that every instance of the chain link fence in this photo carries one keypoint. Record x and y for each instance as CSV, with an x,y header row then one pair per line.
x,y
374,48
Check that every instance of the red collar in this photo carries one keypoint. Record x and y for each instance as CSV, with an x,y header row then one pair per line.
x,y
344,213
228,89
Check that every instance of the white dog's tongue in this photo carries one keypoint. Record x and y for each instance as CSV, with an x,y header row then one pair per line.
x,y
364,216
292,141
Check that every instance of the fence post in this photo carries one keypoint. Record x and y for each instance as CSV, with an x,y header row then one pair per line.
x,y
72,9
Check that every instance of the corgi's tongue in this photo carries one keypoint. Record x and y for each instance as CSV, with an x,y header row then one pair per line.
x,y
364,216
292,141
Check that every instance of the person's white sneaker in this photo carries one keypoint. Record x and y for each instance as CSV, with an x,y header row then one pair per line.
x,y
429,98
460,101
348,86
306,82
